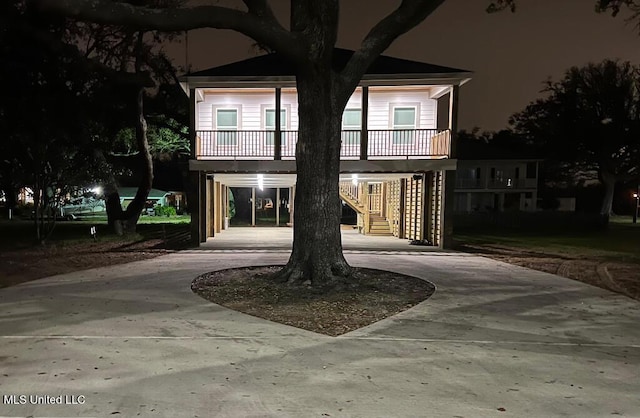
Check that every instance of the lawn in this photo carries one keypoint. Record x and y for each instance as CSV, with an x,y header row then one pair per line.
x,y
620,242
71,247
604,257
18,233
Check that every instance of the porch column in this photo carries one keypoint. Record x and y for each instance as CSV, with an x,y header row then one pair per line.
x,y
193,199
195,146
403,211
450,175
253,206
277,206
431,207
211,207
217,207
364,134
423,204
226,206
277,146
203,207
292,198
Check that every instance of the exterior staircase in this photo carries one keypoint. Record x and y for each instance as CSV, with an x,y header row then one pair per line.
x,y
378,225
357,198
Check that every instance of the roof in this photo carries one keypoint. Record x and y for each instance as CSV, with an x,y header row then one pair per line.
x,y
130,192
275,65
479,150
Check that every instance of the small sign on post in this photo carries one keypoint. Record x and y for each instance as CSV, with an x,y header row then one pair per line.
x,y
93,233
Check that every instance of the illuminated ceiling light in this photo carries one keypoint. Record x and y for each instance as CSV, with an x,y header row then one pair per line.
x,y
261,181
354,179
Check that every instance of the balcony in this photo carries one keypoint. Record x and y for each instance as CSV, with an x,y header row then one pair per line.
x,y
505,184
381,144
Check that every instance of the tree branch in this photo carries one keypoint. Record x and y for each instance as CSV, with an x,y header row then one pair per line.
x,y
261,8
263,30
55,45
407,16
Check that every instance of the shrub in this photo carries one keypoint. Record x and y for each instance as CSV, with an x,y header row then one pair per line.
x,y
164,210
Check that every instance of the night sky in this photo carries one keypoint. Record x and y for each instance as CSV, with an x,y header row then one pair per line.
x,y
511,54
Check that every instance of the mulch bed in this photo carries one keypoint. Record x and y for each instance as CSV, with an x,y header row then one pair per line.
x,y
369,296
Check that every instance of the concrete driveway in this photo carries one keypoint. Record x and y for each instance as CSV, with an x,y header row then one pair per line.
x,y
494,340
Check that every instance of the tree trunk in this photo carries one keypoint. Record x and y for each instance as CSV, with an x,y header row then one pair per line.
x,y
317,257
132,214
609,182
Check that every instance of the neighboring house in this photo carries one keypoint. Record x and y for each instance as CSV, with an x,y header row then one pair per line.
x,y
396,142
156,197
496,185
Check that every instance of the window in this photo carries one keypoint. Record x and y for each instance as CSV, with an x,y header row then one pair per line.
x,y
351,126
532,170
226,124
404,121
270,123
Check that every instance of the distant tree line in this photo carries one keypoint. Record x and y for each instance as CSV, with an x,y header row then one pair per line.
x,y
587,123
72,100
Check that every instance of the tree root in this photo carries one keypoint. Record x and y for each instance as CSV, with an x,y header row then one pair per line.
x,y
307,273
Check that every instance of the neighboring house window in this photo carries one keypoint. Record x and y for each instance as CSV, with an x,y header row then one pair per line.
x,y
531,170
351,126
404,121
270,123
226,125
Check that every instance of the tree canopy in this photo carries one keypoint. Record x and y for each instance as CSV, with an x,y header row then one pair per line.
x,y
590,120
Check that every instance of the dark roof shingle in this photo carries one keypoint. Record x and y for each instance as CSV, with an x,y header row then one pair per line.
x,y
273,65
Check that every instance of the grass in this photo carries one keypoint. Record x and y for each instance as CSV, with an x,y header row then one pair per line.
x,y
144,220
619,241
17,233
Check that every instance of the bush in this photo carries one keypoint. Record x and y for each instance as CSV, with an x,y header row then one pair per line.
x,y
164,210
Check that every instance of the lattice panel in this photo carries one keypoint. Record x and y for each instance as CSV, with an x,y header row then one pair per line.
x,y
413,209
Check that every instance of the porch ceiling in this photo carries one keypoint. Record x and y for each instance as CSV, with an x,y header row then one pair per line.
x,y
288,180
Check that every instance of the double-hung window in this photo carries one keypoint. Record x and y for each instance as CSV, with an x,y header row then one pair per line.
x,y
404,124
227,126
270,124
351,126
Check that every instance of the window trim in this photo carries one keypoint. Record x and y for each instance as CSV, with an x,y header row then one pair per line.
x,y
227,142
353,135
263,122
392,125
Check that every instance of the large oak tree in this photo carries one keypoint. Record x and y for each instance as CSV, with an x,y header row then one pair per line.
x,y
590,121
307,41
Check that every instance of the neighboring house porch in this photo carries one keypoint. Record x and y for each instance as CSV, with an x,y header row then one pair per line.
x,y
496,185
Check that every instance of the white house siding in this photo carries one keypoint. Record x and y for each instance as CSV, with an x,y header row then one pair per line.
x,y
251,106
381,103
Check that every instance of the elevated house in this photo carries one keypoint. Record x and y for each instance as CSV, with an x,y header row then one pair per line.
x,y
397,159
495,178
496,185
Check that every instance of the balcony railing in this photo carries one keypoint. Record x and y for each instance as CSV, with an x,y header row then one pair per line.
x,y
469,183
260,145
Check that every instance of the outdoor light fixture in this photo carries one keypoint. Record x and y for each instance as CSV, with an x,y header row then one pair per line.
x,y
354,179
261,181
636,201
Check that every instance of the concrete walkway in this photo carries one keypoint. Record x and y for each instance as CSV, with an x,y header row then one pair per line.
x,y
494,341
270,238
